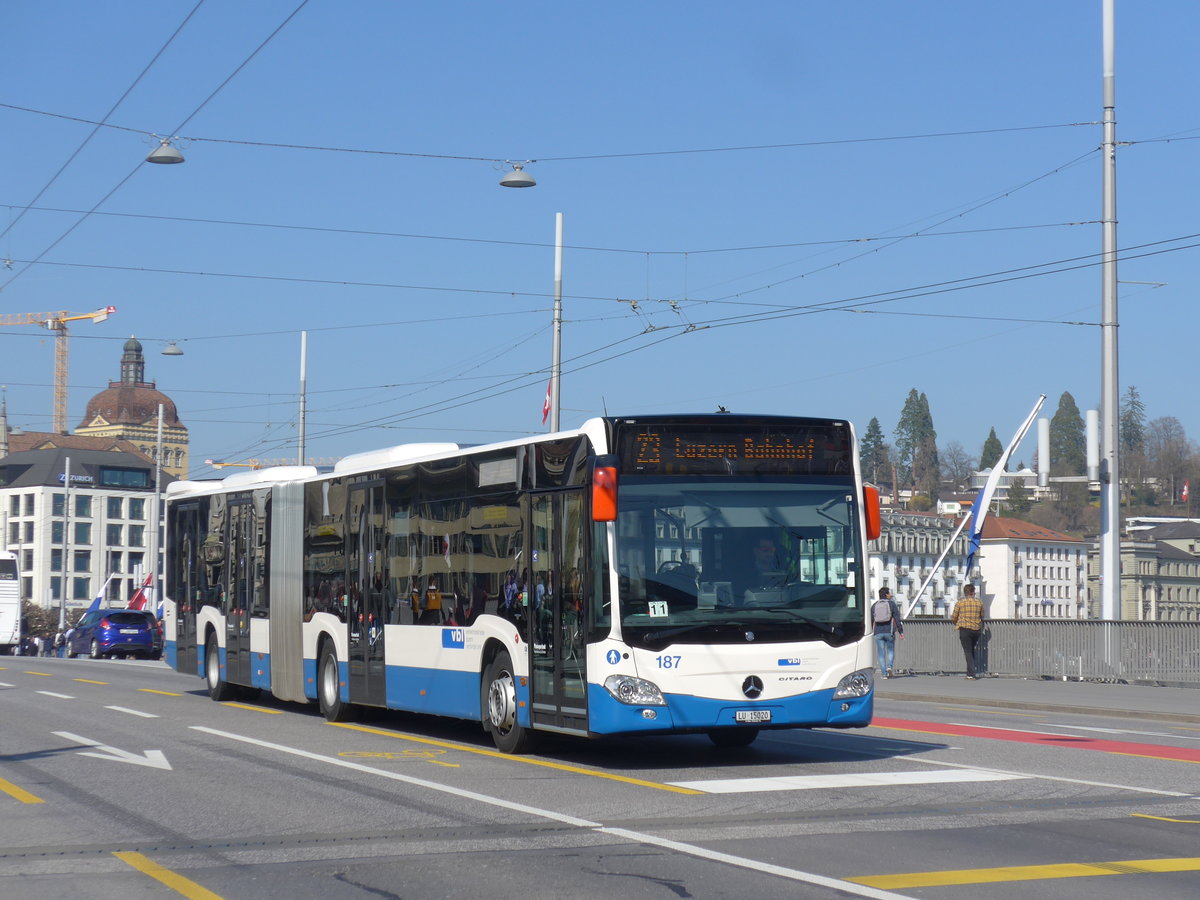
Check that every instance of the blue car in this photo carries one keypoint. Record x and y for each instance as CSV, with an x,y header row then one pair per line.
x,y
102,633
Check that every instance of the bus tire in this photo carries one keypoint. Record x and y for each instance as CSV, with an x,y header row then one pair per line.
x,y
733,737
329,687
217,689
507,733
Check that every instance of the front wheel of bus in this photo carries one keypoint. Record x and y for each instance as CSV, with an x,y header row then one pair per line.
x,y
508,734
217,689
329,687
733,737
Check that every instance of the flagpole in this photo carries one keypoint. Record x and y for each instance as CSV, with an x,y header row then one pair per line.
x,y
556,353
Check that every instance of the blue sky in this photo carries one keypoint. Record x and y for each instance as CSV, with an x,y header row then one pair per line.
x,y
911,160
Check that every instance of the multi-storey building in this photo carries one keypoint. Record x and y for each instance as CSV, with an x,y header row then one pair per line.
x,y
1030,572
903,556
79,521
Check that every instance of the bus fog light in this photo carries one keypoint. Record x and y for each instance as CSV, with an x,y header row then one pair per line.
x,y
649,713
856,684
634,691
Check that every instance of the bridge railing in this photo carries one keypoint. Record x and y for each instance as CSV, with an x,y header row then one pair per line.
x,y
1166,653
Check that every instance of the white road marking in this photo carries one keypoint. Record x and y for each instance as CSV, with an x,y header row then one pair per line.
x,y
59,696
847,780
638,837
6,684
154,759
1166,734
132,712
1103,784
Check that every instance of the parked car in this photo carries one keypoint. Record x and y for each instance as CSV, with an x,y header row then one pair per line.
x,y
116,632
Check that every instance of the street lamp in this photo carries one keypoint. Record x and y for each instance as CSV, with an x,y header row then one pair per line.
x,y
518,177
164,153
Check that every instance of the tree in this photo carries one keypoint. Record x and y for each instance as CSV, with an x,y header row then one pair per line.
x,y
1020,501
916,447
1133,444
1168,452
1133,422
927,470
875,453
992,450
1068,444
957,464
908,433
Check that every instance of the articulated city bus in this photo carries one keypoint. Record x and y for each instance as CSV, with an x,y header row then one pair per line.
x,y
642,575
10,603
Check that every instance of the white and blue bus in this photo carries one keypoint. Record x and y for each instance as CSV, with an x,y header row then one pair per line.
x,y
10,603
642,575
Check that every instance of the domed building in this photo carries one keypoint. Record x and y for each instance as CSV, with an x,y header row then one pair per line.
x,y
128,409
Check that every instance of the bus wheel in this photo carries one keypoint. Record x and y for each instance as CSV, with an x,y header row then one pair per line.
x,y
508,734
733,737
329,687
217,689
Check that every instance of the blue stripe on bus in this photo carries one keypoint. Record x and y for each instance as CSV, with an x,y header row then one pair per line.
x,y
441,692
606,715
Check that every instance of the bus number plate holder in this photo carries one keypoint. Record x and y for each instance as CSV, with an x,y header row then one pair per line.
x,y
752,715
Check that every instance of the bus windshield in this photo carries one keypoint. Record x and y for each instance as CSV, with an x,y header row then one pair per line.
x,y
707,560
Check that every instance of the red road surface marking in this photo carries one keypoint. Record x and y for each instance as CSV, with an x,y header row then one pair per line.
x,y
1125,748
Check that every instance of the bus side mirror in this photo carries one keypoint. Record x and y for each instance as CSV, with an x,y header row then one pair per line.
x,y
871,509
604,494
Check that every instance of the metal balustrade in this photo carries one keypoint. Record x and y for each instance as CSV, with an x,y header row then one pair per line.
x,y
1166,653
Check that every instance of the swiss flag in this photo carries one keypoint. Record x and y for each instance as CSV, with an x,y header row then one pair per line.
x,y
546,402
139,600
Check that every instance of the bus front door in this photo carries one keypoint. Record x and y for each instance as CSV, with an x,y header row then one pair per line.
x,y
366,581
558,563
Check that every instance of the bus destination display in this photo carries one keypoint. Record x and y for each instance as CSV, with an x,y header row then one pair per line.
x,y
670,449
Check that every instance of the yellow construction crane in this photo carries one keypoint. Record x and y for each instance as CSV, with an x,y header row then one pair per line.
x,y
57,322
248,464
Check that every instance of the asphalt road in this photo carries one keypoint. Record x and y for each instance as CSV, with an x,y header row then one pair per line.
x,y
121,778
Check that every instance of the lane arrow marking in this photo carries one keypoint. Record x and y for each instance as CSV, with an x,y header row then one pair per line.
x,y
153,759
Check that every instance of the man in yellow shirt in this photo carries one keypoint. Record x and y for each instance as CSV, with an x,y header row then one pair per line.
x,y
968,620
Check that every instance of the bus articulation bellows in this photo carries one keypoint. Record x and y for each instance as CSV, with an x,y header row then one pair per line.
x,y
640,575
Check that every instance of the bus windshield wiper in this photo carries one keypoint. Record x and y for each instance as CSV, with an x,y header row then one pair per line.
x,y
799,617
682,629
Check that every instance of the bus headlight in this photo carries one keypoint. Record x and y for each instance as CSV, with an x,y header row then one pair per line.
x,y
856,684
634,691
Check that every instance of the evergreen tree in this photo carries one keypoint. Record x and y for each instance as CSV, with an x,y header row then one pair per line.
x,y
1068,456
927,472
992,450
1020,501
908,436
1133,422
1068,444
874,452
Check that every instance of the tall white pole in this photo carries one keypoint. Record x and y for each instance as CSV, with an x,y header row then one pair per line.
x,y
556,356
303,394
1110,484
156,518
66,559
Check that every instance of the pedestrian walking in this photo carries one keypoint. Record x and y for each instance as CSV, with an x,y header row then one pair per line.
x,y
968,620
886,618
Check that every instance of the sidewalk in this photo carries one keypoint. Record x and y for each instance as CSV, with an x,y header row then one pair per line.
x,y
1172,704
